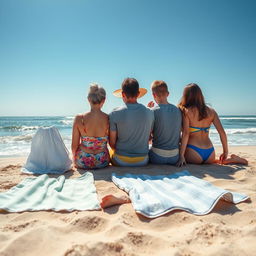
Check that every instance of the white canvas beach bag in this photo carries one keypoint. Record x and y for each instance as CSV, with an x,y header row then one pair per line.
x,y
48,153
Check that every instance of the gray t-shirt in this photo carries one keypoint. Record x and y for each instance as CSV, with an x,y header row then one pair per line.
x,y
167,126
133,123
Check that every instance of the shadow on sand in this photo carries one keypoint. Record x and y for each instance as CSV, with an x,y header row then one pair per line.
x,y
199,171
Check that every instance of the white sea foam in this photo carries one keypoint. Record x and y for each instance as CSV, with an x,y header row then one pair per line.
x,y
28,128
237,131
234,141
14,151
19,128
238,118
67,122
19,138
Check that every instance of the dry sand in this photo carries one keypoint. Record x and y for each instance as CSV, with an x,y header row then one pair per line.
x,y
228,230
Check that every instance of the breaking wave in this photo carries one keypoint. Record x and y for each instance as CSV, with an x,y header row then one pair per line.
x,y
237,131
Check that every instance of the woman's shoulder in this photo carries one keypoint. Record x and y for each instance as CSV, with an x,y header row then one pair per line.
x,y
105,114
190,111
211,112
81,115
79,118
105,117
102,116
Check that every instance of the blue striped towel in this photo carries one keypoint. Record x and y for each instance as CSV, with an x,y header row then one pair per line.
x,y
153,196
44,193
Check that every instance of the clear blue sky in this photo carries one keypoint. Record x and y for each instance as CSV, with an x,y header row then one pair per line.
x,y
50,50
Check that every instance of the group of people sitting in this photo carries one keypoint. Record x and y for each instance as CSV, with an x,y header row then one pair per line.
x,y
177,134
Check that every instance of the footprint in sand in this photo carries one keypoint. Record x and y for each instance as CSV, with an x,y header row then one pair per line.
x,y
10,167
89,224
18,227
129,219
144,243
7,185
98,249
208,233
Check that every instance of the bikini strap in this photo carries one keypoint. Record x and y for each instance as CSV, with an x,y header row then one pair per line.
x,y
197,129
83,123
206,129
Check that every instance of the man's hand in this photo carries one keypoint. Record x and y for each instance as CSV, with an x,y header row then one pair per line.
x,y
181,162
151,104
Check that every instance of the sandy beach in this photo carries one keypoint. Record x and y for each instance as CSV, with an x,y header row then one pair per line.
x,y
228,230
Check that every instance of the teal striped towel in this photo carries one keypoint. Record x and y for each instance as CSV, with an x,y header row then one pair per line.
x,y
153,196
57,194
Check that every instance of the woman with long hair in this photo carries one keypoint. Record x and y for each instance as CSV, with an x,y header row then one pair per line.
x,y
196,146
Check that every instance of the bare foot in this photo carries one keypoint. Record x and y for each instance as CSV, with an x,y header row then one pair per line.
x,y
110,200
235,159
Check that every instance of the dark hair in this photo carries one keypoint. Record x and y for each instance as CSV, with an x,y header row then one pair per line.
x,y
193,97
130,87
159,87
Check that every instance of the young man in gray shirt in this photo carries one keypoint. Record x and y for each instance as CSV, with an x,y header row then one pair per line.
x,y
167,127
130,127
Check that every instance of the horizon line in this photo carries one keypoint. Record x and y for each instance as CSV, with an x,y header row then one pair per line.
x,y
76,114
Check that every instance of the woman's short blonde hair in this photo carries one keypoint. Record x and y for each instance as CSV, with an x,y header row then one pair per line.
x,y
96,94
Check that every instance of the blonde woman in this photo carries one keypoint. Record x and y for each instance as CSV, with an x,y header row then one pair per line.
x,y
90,133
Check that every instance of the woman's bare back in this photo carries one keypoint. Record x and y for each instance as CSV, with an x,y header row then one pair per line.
x,y
200,138
93,124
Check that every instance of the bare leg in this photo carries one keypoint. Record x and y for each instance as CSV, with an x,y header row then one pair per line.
x,y
111,200
235,159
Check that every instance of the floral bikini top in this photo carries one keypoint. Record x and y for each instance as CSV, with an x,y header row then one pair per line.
x,y
95,143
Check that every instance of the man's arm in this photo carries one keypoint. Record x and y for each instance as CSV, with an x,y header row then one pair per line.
x,y
184,139
112,139
112,131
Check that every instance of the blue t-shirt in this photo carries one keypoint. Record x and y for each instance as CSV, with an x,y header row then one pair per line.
x,y
133,123
167,126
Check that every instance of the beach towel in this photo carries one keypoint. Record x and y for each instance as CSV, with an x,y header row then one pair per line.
x,y
44,193
48,153
153,196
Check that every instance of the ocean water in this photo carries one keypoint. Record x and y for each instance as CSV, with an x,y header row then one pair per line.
x,y
16,132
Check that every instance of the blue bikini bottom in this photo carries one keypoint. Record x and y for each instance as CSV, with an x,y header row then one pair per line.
x,y
204,153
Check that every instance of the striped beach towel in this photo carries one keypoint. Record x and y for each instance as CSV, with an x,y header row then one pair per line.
x,y
153,196
45,193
